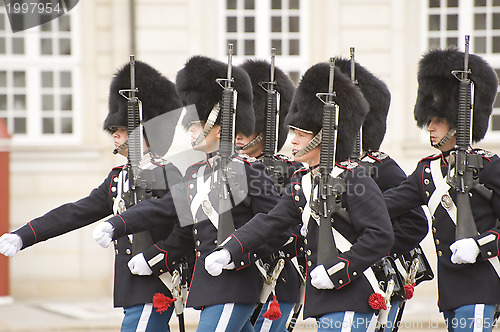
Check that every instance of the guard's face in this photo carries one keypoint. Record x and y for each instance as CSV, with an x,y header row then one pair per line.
x,y
211,141
242,140
299,141
120,136
438,128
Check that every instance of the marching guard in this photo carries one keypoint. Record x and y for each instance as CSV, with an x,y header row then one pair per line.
x,y
468,265
338,289
226,303
134,293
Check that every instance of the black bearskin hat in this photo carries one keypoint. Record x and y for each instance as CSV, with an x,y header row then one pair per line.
x,y
306,111
196,84
378,96
158,96
260,71
438,89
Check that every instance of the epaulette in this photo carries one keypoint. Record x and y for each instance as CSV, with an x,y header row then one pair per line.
x,y
378,155
432,157
118,167
484,153
348,164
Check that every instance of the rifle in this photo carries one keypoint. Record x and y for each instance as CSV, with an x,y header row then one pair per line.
x,y
462,177
177,283
226,151
275,167
358,149
325,201
139,189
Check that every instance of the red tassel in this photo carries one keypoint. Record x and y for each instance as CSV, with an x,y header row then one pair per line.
x,y
377,301
274,312
409,289
162,302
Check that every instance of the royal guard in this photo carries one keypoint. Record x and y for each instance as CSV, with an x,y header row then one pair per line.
x,y
410,228
340,285
226,303
134,293
288,282
464,262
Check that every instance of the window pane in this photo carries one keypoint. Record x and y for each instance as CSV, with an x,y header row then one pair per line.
x,y
497,72
231,4
48,125
18,45
434,22
66,79
276,24
496,44
496,2
452,3
64,23
3,102
249,47
47,79
65,46
66,125
479,3
231,24
20,102
434,43
452,42
276,43
480,44
235,45
294,47
47,27
47,102
2,45
275,4
479,21
495,122
19,125
496,104
19,79
249,4
66,102
496,22
249,24
452,22
46,46
3,79
434,3
293,24
293,4
2,22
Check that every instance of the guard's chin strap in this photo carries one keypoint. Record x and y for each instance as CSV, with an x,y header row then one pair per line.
x,y
316,140
253,143
445,139
212,117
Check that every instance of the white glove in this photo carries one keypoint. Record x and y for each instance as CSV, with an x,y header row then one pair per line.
x,y
103,233
10,244
139,266
218,260
464,251
320,278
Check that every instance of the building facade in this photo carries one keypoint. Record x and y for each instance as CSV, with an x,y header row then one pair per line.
x,y
54,83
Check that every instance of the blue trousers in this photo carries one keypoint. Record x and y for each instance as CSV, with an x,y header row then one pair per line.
x,y
230,317
345,321
474,317
265,325
144,317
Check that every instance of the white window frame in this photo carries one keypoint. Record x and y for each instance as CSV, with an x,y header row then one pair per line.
x,y
33,63
466,13
263,35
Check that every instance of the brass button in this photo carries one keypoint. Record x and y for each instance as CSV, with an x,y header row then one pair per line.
x,y
436,242
128,251
161,270
355,273
308,253
341,282
440,253
191,186
434,230
197,242
198,254
297,187
195,175
301,209
116,252
305,241
427,170
427,194
488,253
287,255
113,189
242,263
297,198
195,231
309,263
426,181
115,179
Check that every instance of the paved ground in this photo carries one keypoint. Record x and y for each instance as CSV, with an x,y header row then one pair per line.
x,y
99,316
